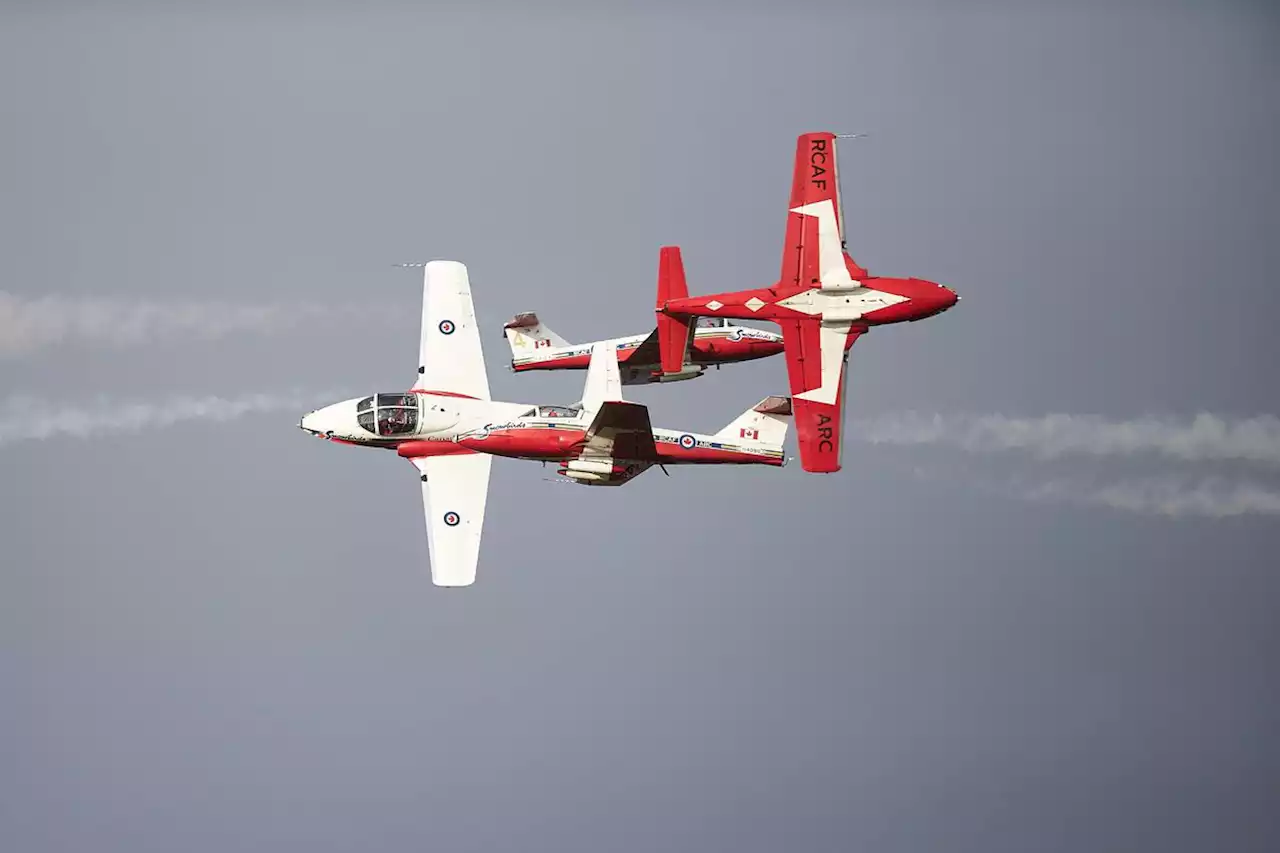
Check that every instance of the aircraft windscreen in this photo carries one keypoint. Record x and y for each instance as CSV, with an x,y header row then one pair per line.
x,y
397,421
712,322
366,403
558,412
397,414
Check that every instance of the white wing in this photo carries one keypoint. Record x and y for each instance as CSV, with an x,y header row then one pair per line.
x,y
449,357
454,492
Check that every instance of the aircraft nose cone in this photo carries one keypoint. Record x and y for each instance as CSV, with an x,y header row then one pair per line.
x,y
946,297
338,419
308,424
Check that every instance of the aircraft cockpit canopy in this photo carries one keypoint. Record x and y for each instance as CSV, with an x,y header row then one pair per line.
x,y
712,322
393,414
553,412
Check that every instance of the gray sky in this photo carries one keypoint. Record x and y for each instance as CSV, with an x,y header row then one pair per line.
x,y
222,634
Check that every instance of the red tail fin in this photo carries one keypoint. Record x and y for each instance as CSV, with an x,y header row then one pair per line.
x,y
674,333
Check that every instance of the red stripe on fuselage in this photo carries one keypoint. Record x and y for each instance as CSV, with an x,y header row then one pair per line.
x,y
529,443
442,393
564,443
674,454
418,448
723,350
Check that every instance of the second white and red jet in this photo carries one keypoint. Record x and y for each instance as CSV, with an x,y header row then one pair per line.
x,y
448,426
714,341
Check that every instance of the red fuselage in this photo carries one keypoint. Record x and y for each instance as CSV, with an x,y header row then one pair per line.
x,y
562,444
920,299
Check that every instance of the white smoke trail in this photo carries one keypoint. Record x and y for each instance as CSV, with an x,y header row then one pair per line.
x,y
28,419
1167,497
27,325
1205,437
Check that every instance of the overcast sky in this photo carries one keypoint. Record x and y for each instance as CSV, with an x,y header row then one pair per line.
x,y
220,634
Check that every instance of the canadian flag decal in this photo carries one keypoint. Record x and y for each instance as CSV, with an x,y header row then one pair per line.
x,y
541,342
749,432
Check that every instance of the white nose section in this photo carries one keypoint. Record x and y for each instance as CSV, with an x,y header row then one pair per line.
x,y
338,420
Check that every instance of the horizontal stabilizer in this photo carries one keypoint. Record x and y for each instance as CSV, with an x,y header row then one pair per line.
x,y
780,406
526,335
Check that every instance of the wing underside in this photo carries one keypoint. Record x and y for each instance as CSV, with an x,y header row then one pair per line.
x,y
455,489
621,431
450,357
815,195
816,355
618,445
647,353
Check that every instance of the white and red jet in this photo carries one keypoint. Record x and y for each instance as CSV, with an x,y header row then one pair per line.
x,y
823,300
715,341
450,429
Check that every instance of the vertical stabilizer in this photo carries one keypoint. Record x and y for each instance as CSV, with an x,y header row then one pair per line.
x,y
675,333
764,423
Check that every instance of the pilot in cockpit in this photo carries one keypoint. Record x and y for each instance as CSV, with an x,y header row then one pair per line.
x,y
394,418
557,412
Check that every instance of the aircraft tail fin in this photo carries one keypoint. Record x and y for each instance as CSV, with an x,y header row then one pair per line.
x,y
675,333
526,335
764,423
